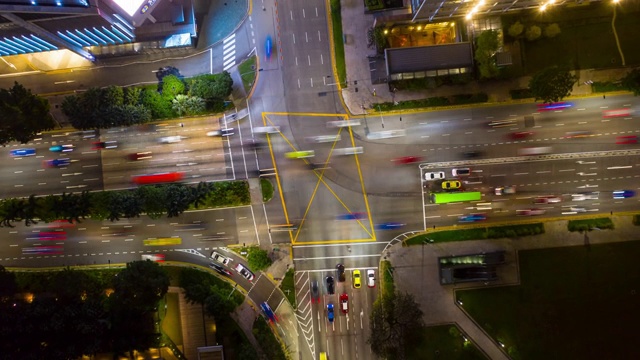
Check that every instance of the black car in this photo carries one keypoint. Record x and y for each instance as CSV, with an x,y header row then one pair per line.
x,y
340,272
330,285
220,269
473,154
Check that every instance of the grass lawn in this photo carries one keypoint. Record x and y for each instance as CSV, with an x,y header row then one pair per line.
x,y
386,282
171,320
573,303
267,189
248,73
444,342
288,288
586,40
338,42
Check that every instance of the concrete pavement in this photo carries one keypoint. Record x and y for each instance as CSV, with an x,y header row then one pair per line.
x,y
416,271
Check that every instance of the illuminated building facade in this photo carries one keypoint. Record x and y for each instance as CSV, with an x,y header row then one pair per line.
x,y
93,28
437,10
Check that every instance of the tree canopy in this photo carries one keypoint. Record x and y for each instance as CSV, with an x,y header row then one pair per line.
x,y
552,84
396,324
22,115
486,47
632,81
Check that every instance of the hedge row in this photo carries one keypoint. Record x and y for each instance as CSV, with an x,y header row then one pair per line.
x,y
437,101
590,224
496,232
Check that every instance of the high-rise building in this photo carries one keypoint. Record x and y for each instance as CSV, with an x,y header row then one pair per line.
x,y
93,28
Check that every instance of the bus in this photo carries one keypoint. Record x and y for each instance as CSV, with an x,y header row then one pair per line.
x,y
163,241
159,178
446,197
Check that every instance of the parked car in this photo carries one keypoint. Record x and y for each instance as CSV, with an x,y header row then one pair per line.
x,y
371,278
451,184
330,285
220,269
430,176
344,303
461,172
246,273
220,258
357,279
340,272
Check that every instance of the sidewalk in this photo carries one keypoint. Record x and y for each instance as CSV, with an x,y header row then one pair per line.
x,y
438,301
355,24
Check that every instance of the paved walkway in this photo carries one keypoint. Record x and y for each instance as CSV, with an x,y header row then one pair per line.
x,y
416,269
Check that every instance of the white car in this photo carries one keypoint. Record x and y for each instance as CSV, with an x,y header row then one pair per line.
x,y
266,129
221,259
322,138
221,132
430,176
170,139
343,123
371,278
348,151
585,196
505,190
246,273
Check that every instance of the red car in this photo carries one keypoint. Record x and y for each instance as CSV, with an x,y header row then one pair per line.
x,y
407,160
530,212
344,303
548,199
630,139
100,145
521,135
616,113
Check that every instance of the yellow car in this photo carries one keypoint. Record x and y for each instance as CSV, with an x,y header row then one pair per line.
x,y
300,154
357,280
449,185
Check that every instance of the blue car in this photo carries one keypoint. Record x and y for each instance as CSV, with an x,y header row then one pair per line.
x,y
472,218
330,314
352,216
623,194
61,148
22,152
58,162
389,226
266,309
267,47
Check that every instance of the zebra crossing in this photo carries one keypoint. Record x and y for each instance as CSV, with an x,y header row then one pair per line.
x,y
229,52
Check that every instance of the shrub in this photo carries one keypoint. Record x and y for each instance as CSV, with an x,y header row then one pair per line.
x,y
552,31
636,220
590,224
516,29
267,189
521,94
533,33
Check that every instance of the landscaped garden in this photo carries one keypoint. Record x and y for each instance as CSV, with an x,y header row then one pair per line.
x,y
573,303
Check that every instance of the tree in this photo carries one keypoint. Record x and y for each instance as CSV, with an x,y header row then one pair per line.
x,y
552,31
178,199
223,85
396,324
153,200
22,115
172,86
486,47
179,104
552,84
8,284
141,285
159,106
516,29
132,95
258,259
533,33
195,105
11,210
632,81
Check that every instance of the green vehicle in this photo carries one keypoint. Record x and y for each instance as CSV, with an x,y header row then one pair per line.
x,y
449,197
